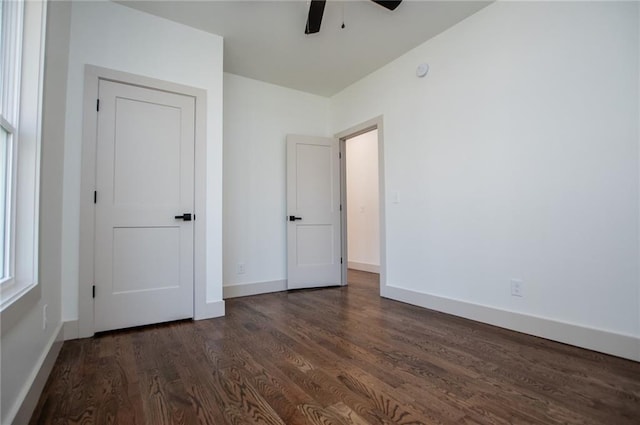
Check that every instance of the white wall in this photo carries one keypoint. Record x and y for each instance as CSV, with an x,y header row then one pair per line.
x,y
516,157
363,212
257,118
24,345
114,36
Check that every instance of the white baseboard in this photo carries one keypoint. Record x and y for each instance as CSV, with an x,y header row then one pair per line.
x,y
256,288
70,330
365,267
210,310
30,394
627,346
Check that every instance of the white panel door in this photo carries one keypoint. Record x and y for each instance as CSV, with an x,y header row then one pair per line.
x,y
313,212
144,179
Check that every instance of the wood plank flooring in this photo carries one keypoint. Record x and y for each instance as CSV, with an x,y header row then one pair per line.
x,y
339,356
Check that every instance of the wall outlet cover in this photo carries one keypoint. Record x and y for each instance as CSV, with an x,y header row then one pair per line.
x,y
516,287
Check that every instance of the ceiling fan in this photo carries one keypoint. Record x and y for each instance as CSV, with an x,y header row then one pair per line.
x,y
316,9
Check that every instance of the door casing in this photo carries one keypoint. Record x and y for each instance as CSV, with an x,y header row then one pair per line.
x,y
93,75
343,136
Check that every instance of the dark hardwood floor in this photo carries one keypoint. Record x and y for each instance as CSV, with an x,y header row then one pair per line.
x,y
334,356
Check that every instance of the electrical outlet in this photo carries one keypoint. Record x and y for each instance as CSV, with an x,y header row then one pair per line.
x,y
516,288
44,316
240,268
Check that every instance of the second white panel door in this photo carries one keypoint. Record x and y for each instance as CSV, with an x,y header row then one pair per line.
x,y
313,208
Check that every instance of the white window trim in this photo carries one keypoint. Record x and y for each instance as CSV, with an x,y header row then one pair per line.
x,y
26,192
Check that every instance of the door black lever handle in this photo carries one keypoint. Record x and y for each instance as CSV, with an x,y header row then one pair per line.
x,y
294,218
185,217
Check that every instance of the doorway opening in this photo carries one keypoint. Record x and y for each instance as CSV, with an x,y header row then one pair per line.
x,y
362,191
318,207
363,204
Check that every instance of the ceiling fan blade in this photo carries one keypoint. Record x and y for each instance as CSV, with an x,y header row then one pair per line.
x,y
316,9
391,4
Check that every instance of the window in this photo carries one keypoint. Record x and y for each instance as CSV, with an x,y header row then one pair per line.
x,y
5,210
11,20
21,72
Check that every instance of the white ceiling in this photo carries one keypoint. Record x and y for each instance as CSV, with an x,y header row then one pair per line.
x,y
265,40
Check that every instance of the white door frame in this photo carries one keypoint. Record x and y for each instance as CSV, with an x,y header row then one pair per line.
x,y
372,124
92,76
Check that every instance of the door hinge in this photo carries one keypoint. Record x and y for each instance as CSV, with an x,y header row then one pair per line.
x,y
93,291
97,104
95,196
340,263
340,207
340,155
